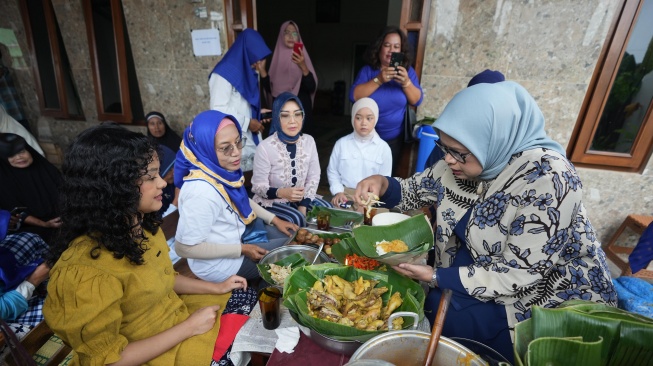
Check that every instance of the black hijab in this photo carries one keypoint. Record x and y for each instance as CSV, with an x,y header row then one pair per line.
x,y
35,187
169,139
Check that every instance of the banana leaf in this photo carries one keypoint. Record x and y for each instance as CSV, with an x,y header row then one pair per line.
x,y
623,338
338,217
416,232
302,279
294,260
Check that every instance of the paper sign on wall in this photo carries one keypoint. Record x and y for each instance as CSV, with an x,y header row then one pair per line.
x,y
206,42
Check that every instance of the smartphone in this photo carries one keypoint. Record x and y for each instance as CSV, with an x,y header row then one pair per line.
x,y
298,47
347,204
396,58
17,210
266,115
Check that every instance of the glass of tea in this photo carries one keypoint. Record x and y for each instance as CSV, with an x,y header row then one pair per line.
x,y
323,220
269,298
368,215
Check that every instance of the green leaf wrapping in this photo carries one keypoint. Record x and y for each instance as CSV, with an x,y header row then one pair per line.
x,y
625,338
295,260
302,279
338,217
416,232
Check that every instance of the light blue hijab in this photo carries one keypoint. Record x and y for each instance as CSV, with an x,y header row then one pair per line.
x,y
495,121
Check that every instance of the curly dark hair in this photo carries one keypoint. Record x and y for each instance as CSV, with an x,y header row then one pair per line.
x,y
100,194
372,53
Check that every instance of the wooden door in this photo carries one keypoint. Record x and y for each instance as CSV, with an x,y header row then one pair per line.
x,y
414,22
240,14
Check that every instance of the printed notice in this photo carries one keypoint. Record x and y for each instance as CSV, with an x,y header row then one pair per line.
x,y
206,42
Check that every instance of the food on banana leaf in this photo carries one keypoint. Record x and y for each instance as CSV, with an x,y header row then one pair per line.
x,y
356,304
361,262
395,246
279,273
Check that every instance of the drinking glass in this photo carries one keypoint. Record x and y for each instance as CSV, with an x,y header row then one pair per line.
x,y
269,298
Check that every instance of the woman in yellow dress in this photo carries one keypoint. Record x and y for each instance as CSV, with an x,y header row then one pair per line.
x,y
113,293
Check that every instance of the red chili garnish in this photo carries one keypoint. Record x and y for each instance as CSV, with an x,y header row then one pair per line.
x,y
361,262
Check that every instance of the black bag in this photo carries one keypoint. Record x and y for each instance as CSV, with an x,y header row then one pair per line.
x,y
410,120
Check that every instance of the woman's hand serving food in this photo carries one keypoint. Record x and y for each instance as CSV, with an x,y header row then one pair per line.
x,y
370,189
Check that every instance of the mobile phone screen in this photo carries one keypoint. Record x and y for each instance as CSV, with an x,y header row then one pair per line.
x,y
297,48
396,58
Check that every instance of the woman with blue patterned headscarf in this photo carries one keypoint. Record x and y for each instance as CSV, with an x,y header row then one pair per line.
x,y
286,165
511,231
234,88
213,205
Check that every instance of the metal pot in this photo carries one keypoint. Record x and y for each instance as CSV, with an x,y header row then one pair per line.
x,y
347,348
307,251
341,347
408,348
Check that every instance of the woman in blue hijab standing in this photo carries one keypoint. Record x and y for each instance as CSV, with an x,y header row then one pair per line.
x,y
511,230
234,88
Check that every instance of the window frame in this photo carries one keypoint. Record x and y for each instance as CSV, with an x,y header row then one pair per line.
x,y
596,97
51,24
119,38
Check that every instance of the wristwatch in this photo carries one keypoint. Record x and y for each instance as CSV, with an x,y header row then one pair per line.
x,y
376,80
434,279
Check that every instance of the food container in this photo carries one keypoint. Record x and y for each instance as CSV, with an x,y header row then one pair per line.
x,y
322,234
388,218
408,348
308,252
339,218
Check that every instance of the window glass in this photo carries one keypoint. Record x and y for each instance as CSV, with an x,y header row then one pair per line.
x,y
631,93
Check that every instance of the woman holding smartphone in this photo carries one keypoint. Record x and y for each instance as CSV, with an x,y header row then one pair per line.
x,y
391,87
291,70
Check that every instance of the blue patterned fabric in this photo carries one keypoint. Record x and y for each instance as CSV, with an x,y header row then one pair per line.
x,y
241,302
528,234
20,254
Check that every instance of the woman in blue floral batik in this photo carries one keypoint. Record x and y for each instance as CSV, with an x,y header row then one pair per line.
x,y
511,229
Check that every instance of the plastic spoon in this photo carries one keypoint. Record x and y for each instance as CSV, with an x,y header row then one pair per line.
x,y
437,326
319,250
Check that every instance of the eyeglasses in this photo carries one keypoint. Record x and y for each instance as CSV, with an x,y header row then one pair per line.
x,y
228,150
292,34
297,116
461,158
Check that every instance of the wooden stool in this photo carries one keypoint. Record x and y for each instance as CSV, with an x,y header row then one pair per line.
x,y
623,242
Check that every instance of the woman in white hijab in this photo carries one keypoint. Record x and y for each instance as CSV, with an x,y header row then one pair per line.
x,y
360,154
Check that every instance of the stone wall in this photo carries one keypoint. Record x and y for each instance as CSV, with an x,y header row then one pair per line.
x,y
551,47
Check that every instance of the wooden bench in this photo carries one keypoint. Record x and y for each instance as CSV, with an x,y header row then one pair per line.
x,y
40,344
623,242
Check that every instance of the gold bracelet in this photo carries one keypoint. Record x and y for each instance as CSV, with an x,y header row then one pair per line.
x,y
409,84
